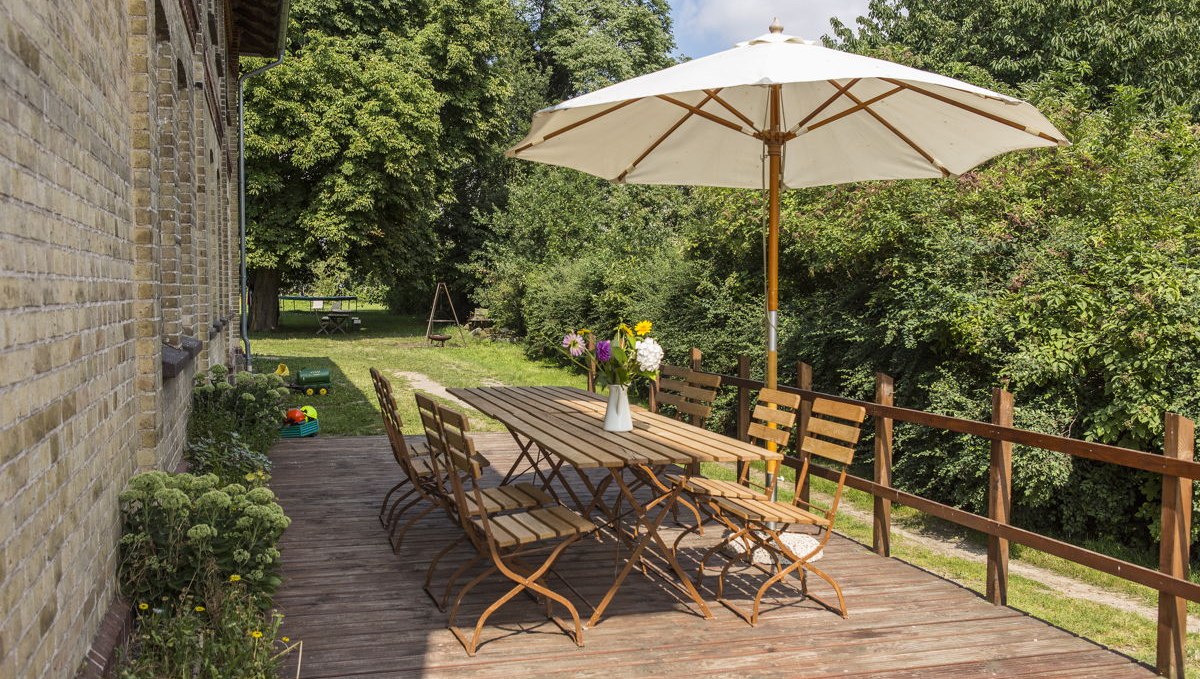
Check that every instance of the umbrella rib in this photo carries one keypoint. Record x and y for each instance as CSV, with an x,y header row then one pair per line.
x,y
708,116
728,107
568,128
661,139
904,138
977,111
859,105
841,89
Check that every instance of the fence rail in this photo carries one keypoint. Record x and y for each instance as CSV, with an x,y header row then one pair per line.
x,y
1176,465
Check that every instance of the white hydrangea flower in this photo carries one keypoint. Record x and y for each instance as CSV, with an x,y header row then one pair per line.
x,y
649,354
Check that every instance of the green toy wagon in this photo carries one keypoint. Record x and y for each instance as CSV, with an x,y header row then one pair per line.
x,y
312,381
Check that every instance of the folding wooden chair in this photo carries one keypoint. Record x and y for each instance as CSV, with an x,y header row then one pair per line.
x,y
690,396
414,461
508,540
496,499
833,430
772,421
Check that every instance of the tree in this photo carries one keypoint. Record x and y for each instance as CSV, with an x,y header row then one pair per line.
x,y
1149,44
343,146
588,44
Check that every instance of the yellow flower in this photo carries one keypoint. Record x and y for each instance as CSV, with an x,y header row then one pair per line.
x,y
643,327
285,639
199,609
235,577
143,606
584,331
250,476
256,634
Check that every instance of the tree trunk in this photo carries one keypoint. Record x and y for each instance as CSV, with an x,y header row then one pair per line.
x,y
264,299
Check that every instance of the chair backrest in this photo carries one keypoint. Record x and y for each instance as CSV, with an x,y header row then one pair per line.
x,y
689,392
772,422
336,306
431,422
464,471
774,417
391,420
832,432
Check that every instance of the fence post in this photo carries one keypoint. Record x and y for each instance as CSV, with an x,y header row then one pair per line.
x,y
1174,547
881,535
743,400
803,381
999,498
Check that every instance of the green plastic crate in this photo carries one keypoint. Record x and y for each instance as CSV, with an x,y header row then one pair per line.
x,y
295,431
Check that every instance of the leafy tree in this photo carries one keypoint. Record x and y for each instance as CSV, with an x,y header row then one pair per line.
x,y
588,44
343,144
1150,44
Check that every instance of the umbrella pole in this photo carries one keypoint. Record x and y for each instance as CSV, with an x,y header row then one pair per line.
x,y
774,143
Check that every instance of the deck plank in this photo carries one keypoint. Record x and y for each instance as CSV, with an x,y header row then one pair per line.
x,y
361,612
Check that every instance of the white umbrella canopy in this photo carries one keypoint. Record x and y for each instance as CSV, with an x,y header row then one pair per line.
x,y
780,112
843,118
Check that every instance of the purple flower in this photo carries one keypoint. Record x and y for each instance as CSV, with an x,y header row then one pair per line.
x,y
604,351
573,343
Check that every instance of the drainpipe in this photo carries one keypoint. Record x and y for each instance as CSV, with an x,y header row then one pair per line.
x,y
245,299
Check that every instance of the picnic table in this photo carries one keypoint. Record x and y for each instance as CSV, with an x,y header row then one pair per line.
x,y
335,318
559,427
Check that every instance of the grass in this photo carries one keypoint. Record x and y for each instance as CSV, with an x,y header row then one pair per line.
x,y
393,344
396,344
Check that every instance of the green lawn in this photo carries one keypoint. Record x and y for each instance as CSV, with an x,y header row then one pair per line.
x,y
393,344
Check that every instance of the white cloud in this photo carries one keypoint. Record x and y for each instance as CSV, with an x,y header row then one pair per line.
x,y
706,26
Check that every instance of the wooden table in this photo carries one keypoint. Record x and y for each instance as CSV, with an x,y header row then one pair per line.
x,y
562,426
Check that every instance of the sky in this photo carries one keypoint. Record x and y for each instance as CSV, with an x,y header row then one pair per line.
x,y
706,26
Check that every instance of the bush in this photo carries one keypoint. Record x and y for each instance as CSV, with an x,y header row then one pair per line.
x,y
229,635
229,458
248,404
189,535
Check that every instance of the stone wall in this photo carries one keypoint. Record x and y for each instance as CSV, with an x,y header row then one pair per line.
x,y
117,247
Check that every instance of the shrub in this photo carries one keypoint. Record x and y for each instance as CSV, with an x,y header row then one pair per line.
x,y
189,535
248,404
230,635
229,458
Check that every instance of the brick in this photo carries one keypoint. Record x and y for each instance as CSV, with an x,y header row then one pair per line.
x,y
115,236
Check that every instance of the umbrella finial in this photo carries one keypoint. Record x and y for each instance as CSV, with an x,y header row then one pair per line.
x,y
776,27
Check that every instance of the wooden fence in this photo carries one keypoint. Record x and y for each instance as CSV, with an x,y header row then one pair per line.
x,y
1176,465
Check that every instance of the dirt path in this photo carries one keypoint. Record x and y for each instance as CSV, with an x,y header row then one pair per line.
x,y
1059,583
423,382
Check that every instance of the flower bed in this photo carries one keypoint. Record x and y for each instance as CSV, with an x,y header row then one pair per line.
x,y
199,551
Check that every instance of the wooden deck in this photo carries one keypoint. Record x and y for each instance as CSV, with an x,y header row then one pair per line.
x,y
361,612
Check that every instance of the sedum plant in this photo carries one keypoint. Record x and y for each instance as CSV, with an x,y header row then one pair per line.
x,y
249,404
186,534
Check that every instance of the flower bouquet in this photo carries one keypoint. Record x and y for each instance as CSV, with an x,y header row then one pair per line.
x,y
629,354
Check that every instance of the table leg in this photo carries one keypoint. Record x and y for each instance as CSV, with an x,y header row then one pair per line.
x,y
651,526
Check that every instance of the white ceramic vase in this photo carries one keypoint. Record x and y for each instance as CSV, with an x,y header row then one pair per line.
x,y
618,417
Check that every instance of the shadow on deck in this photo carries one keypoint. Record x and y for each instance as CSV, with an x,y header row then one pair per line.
x,y
361,612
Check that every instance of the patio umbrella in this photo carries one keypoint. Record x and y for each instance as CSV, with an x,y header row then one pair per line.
x,y
779,112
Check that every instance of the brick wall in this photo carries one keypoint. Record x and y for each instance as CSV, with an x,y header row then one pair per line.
x,y
116,239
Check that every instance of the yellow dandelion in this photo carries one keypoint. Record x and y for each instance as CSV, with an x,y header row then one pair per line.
x,y
250,476
235,578
643,327
143,606
256,634
199,609
285,639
